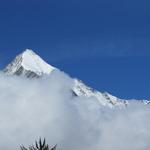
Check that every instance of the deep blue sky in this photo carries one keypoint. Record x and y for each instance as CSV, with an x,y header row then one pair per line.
x,y
105,43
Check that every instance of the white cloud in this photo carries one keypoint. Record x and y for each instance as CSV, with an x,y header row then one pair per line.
x,y
30,109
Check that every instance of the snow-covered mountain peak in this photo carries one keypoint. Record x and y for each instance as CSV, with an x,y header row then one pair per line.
x,y
31,61
30,51
30,64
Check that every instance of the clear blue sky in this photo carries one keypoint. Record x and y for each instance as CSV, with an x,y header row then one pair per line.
x,y
105,43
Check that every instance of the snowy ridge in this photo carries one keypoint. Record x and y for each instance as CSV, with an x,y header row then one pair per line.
x,y
104,99
31,65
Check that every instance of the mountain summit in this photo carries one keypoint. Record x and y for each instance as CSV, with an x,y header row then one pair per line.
x,y
29,64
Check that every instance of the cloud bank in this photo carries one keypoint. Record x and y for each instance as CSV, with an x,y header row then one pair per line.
x,y
45,107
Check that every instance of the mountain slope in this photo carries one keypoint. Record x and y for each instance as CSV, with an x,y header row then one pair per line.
x,y
31,65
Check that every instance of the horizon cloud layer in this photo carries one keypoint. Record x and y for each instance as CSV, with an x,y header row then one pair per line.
x,y
45,107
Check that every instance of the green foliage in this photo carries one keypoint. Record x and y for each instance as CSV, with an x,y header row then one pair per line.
x,y
39,146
